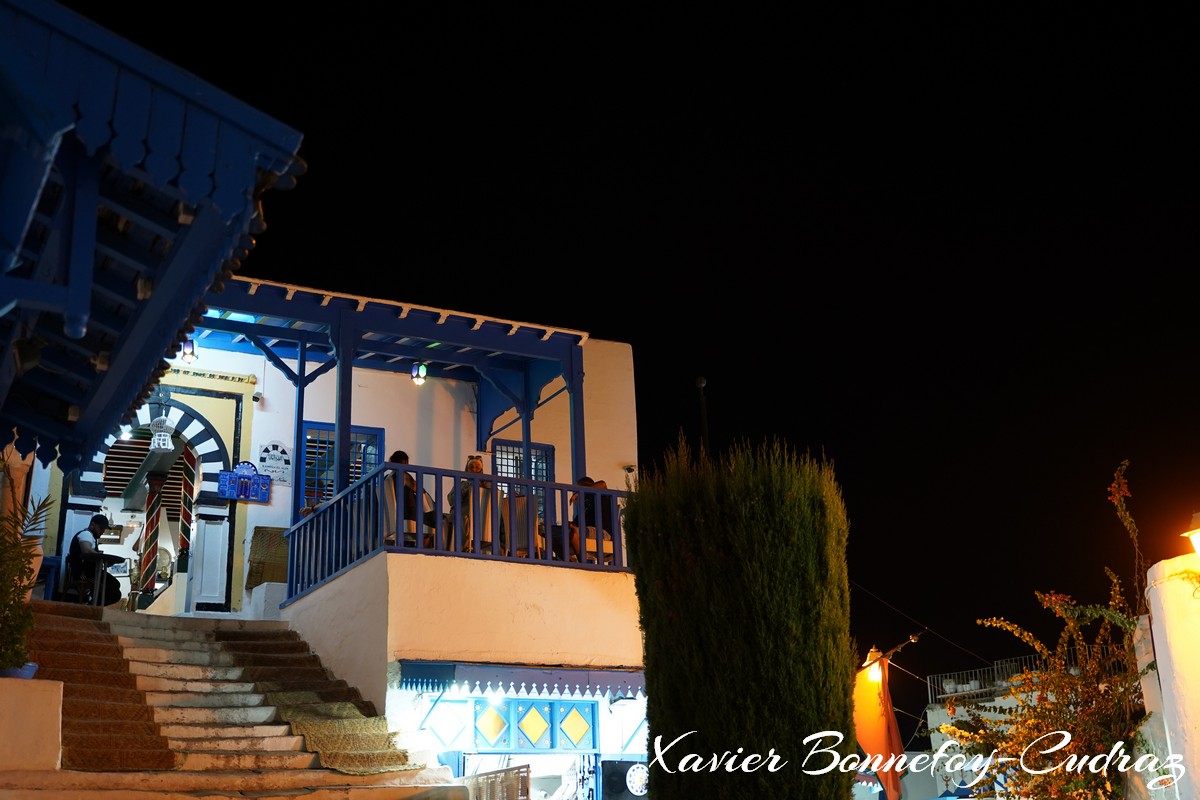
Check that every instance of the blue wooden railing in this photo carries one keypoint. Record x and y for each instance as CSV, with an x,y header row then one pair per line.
x,y
507,519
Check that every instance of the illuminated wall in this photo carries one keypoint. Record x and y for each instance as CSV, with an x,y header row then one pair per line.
x,y
1173,595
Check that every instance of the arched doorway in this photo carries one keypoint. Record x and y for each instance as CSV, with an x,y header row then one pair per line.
x,y
176,488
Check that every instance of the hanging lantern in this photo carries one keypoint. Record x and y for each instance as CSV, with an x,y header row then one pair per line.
x,y
161,429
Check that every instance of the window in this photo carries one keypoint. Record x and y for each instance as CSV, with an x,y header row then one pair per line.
x,y
508,461
320,464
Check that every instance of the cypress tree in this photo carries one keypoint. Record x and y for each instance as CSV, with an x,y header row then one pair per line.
x,y
740,571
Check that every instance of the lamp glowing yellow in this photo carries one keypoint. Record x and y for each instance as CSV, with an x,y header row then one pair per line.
x,y
875,673
1194,533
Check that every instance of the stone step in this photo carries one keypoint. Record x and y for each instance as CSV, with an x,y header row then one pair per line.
x,y
226,715
205,699
156,622
239,743
212,657
154,683
185,730
180,785
257,760
192,643
199,701
192,632
307,671
97,647
198,672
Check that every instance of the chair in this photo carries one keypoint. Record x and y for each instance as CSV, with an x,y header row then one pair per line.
x,y
514,513
51,573
410,525
589,545
388,490
86,588
76,589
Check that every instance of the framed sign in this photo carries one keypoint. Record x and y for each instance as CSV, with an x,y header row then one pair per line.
x,y
275,461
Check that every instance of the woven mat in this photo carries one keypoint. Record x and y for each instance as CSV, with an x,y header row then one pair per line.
x,y
268,557
347,741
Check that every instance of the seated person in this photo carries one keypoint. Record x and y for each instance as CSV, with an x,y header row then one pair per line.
x,y
460,501
587,512
80,569
606,512
426,515
589,515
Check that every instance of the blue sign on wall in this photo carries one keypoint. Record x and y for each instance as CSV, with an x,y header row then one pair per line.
x,y
244,483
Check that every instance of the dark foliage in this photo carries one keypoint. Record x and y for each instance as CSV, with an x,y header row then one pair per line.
x,y
740,571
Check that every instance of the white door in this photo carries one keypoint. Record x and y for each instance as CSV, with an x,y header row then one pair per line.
x,y
206,571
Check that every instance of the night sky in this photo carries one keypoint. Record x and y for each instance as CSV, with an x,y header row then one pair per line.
x,y
954,252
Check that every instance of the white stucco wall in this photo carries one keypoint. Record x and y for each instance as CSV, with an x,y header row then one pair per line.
x,y
1173,594
437,608
502,612
34,709
345,622
609,410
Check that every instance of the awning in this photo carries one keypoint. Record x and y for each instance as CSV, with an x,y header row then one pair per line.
x,y
438,676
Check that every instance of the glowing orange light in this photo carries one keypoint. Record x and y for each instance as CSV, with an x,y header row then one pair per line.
x,y
875,673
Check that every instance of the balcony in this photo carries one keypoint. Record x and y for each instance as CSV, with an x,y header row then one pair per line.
x,y
990,682
455,514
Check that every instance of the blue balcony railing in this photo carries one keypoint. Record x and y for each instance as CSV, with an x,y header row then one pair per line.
x,y
442,512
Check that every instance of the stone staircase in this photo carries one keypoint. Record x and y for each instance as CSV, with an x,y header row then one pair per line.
x,y
201,708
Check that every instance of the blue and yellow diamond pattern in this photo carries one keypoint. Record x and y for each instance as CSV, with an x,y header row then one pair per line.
x,y
535,725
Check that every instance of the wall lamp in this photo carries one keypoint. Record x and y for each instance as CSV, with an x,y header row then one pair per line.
x,y
188,351
1194,533
874,671
419,371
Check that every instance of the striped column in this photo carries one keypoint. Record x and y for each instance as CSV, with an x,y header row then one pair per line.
x,y
149,561
186,509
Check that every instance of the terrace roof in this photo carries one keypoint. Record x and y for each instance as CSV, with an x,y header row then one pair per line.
x,y
306,332
131,189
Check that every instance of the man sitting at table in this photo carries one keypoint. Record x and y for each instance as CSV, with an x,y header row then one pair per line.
x,y
79,574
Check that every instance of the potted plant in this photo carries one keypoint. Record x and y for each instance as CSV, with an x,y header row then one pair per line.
x,y
20,548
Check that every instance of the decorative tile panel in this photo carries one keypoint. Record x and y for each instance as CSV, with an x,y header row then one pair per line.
x,y
576,724
534,725
491,724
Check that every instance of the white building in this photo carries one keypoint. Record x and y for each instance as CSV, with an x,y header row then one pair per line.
x,y
501,655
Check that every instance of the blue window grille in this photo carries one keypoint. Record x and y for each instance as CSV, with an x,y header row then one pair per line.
x,y
508,460
319,470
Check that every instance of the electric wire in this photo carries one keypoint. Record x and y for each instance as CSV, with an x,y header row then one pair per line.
x,y
922,624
